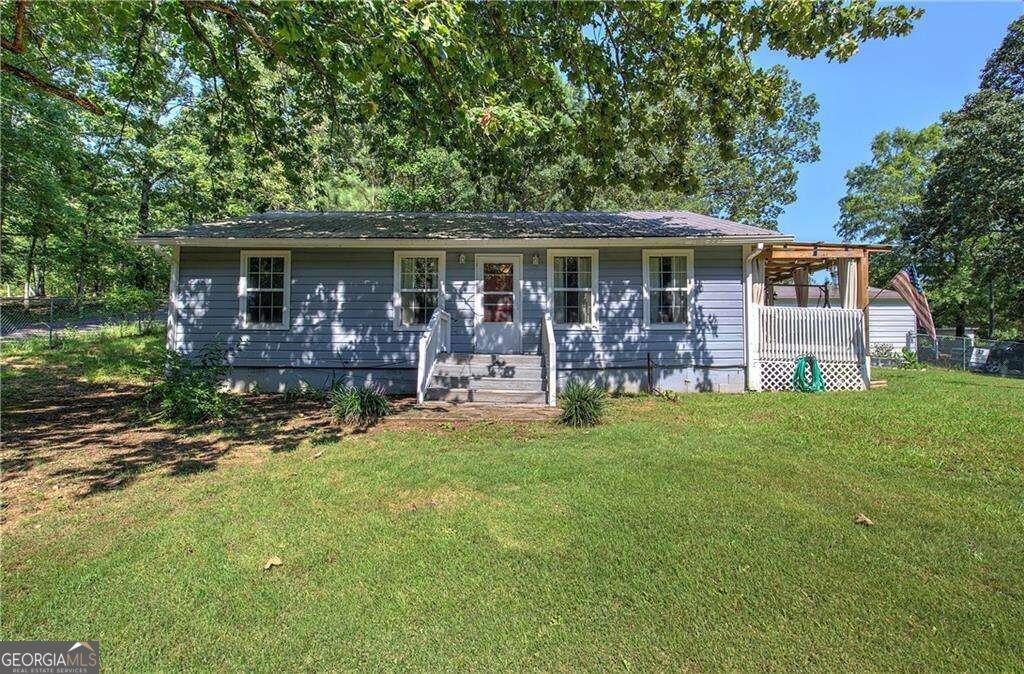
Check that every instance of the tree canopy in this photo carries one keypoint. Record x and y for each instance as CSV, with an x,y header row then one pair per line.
x,y
603,76
951,197
127,117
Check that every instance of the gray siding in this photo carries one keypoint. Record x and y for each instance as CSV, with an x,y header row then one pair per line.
x,y
341,314
715,334
892,322
340,310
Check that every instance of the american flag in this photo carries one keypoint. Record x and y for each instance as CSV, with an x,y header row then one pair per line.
x,y
908,284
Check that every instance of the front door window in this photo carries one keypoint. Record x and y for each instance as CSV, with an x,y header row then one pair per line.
x,y
498,322
499,300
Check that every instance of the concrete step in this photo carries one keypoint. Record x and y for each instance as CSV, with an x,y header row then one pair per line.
x,y
490,359
517,383
486,396
489,371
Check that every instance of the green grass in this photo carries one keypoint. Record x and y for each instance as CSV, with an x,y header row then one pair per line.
x,y
110,355
713,532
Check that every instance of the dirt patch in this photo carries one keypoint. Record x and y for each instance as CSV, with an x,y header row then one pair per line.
x,y
445,497
71,440
65,440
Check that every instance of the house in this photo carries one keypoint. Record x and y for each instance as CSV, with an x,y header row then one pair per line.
x,y
500,307
891,320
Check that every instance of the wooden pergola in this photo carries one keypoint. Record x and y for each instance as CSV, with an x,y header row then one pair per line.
x,y
782,260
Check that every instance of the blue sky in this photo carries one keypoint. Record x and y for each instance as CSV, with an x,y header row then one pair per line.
x,y
908,81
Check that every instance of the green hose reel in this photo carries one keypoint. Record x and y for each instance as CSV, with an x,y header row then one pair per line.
x,y
800,383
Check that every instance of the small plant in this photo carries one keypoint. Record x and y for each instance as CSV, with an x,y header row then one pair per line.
x,y
582,404
909,360
669,395
364,405
191,390
884,351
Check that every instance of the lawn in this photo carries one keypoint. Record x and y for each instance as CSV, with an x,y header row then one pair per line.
x,y
715,532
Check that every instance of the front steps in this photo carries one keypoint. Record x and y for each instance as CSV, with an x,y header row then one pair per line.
x,y
488,378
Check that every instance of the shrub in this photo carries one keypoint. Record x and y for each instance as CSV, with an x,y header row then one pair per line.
x,y
364,405
191,390
909,360
126,300
884,351
582,404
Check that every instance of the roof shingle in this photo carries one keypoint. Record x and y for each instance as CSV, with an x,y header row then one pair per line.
x,y
463,226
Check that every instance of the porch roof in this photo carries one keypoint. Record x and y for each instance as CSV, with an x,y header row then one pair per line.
x,y
341,226
783,259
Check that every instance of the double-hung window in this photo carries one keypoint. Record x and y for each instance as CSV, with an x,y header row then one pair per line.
x,y
668,282
419,288
572,283
263,289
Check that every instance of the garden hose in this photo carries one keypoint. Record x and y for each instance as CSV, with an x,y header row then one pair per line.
x,y
800,382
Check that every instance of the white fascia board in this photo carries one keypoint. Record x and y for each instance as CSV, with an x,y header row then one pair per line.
x,y
615,242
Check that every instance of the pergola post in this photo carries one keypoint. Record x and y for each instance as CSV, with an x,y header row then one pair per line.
x,y
862,304
847,283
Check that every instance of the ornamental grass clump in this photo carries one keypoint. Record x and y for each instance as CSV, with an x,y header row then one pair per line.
x,y
364,405
582,404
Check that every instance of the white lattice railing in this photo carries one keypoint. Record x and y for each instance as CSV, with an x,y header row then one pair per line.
x,y
437,338
548,348
834,335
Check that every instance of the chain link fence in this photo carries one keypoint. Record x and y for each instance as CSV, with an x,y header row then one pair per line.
x,y
1004,358
50,316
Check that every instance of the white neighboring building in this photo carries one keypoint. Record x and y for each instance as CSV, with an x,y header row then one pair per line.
x,y
890,318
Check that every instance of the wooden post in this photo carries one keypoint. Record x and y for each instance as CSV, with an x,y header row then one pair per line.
x,y
862,281
751,320
862,304
650,375
172,301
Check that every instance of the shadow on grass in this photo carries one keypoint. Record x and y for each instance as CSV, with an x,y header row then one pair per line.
x,y
98,439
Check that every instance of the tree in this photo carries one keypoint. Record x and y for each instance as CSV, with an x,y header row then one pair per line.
x,y
465,73
751,187
883,197
951,197
435,180
120,117
1004,69
971,231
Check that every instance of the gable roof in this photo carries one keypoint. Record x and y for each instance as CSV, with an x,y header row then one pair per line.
x,y
441,227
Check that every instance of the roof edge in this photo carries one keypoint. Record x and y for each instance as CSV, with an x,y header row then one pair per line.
x,y
168,239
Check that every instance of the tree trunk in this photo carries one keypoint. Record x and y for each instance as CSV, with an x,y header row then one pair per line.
x,y
991,310
41,271
29,269
145,191
961,319
83,263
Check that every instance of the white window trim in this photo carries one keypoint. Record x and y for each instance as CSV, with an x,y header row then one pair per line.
x,y
396,293
243,286
648,253
594,295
